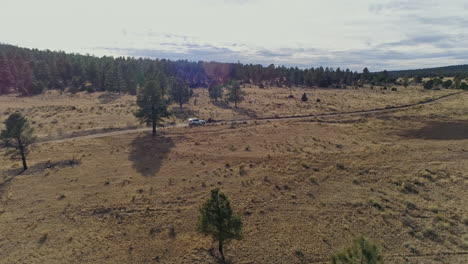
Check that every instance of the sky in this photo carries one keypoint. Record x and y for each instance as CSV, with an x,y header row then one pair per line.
x,y
379,34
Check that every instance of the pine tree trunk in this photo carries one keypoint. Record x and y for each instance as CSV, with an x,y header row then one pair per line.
x,y
221,252
154,128
23,157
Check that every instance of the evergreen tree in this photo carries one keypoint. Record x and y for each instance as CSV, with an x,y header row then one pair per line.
x,y
304,98
447,84
92,73
152,105
180,92
37,87
217,219
76,84
362,252
118,83
6,77
216,92
17,137
235,93
429,84
25,80
417,79
463,86
456,81
366,76
405,81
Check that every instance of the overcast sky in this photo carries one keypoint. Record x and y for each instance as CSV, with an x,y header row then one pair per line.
x,y
380,34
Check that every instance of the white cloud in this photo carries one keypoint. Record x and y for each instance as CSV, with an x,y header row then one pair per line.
x,y
294,32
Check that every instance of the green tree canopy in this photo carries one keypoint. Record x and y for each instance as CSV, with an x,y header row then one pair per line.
x,y
235,92
447,84
366,75
405,81
216,92
180,92
429,84
463,86
17,137
217,219
152,104
417,79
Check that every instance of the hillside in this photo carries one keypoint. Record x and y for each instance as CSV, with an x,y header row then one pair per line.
x,y
31,71
446,71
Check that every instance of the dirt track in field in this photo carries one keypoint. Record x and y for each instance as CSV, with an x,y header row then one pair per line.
x,y
359,112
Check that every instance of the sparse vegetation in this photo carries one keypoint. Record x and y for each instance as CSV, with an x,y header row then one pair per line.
x,y
362,251
277,172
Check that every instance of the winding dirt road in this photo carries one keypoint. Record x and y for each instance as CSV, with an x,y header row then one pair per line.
x,y
350,113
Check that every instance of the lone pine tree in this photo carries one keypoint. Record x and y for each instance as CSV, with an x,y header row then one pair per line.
x,y
180,92
235,93
216,92
152,104
217,219
17,137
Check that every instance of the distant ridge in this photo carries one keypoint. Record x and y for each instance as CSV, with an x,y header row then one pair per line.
x,y
447,71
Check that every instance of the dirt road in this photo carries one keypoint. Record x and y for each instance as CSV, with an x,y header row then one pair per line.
x,y
359,112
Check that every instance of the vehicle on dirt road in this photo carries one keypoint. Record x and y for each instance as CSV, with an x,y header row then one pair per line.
x,y
196,122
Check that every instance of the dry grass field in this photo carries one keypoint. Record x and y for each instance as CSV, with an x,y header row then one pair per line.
x,y
56,115
305,188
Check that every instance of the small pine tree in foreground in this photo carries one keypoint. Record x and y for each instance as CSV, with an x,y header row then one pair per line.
x,y
362,252
304,98
17,137
217,219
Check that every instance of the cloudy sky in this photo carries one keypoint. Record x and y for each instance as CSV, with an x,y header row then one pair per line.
x,y
381,34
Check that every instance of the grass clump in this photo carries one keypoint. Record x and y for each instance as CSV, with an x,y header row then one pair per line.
x,y
340,166
431,234
362,251
409,188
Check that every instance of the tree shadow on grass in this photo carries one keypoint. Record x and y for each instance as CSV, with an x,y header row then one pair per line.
x,y
34,169
148,153
440,131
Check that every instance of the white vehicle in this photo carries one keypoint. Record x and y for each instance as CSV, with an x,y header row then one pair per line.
x,y
196,122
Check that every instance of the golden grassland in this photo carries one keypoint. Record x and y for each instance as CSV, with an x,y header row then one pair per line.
x,y
305,188
56,114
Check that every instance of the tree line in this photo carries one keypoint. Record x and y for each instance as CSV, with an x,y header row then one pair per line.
x,y
31,71
447,71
